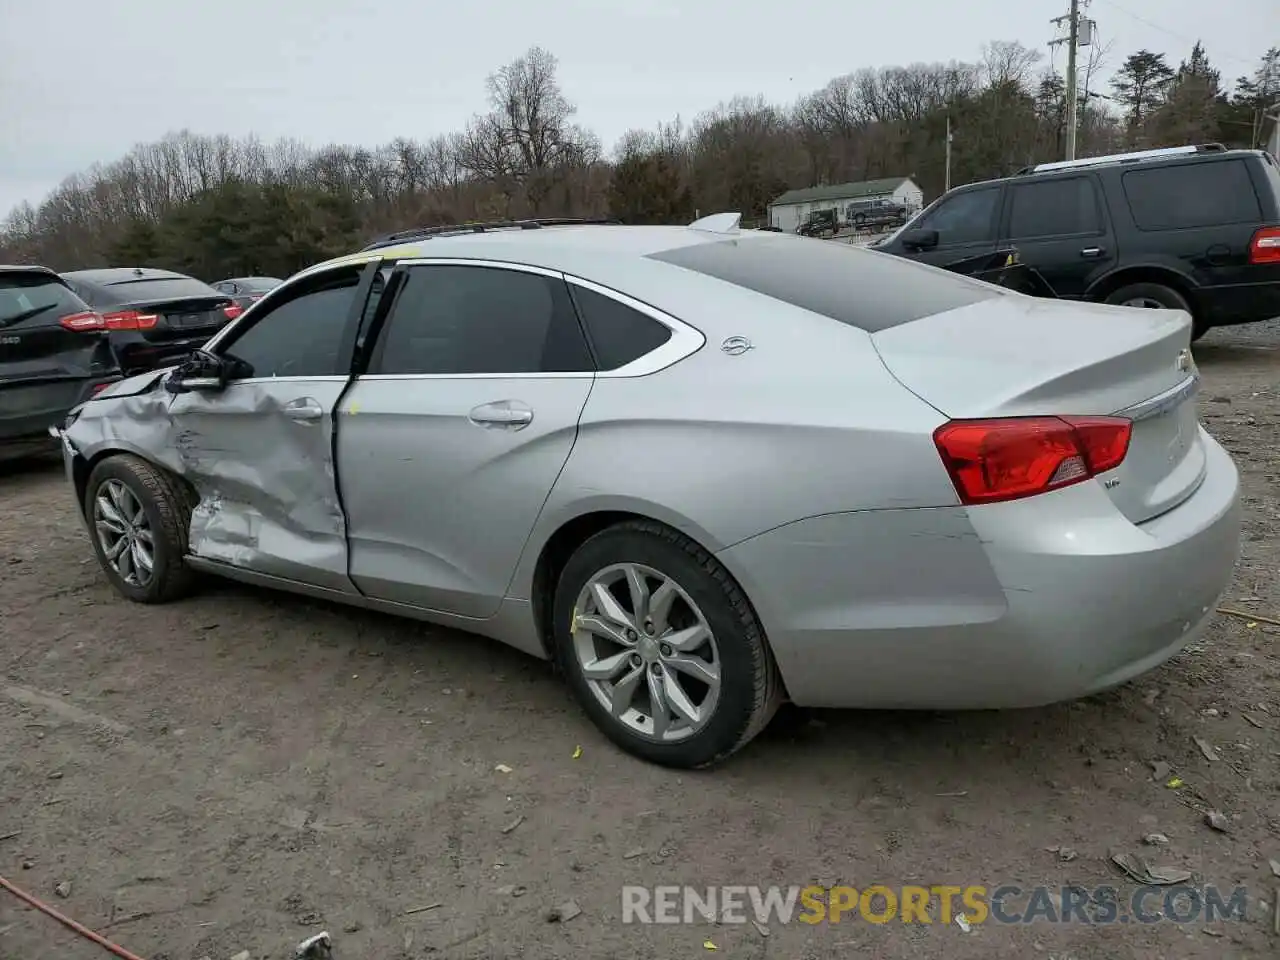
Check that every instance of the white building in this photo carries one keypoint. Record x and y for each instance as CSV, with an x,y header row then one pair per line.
x,y
791,209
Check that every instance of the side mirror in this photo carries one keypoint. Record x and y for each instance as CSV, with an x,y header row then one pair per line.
x,y
920,239
203,372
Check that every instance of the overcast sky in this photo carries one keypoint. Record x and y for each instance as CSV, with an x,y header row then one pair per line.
x,y
82,81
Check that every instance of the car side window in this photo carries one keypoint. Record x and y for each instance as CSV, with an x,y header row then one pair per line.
x,y
303,336
450,320
618,334
967,217
1054,208
1191,195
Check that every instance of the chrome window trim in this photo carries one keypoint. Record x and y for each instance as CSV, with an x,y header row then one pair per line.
x,y
684,341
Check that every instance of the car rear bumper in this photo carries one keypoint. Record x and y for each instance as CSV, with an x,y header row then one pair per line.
x,y
28,410
1240,303
1008,605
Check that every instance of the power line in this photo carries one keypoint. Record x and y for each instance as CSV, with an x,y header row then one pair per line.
x,y
1251,61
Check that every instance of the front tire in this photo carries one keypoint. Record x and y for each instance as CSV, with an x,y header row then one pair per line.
x,y
138,517
661,647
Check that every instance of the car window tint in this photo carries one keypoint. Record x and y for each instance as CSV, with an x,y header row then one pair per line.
x,y
1054,208
35,299
132,291
458,320
618,333
965,217
863,288
1191,195
301,337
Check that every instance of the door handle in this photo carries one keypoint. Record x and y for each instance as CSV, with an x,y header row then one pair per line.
x,y
507,414
1092,252
305,409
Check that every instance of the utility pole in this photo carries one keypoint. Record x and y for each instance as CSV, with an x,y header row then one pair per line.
x,y
1072,40
948,184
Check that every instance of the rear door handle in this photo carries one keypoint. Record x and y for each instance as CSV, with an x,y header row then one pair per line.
x,y
304,408
1092,252
502,414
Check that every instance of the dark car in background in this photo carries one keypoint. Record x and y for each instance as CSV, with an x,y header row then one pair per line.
x,y
154,317
1194,228
246,291
54,354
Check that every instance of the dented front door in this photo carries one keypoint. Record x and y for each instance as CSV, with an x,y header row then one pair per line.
x,y
260,454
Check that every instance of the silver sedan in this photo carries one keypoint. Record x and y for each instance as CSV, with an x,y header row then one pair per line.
x,y
704,469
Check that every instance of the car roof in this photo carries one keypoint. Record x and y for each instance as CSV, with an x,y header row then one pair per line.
x,y
553,248
1143,163
111,275
24,268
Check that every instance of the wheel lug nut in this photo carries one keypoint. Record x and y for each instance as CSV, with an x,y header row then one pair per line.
x,y
631,634
666,650
657,669
635,660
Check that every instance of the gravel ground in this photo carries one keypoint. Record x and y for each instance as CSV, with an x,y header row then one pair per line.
x,y
243,769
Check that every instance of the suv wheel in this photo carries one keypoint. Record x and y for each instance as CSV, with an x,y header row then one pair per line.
x,y
1156,296
138,517
661,647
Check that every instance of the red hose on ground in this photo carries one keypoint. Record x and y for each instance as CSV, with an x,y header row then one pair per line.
x,y
67,922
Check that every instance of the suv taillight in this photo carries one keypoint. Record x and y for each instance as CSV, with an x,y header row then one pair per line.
x,y
232,310
1265,246
1014,457
85,322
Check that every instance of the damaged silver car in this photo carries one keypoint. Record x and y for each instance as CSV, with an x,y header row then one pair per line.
x,y
698,467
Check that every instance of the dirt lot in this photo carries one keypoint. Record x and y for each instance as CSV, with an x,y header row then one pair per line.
x,y
243,769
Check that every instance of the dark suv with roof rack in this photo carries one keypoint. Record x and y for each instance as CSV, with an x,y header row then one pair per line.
x,y
1193,228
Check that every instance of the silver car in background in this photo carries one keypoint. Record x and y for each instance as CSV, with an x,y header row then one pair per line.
x,y
704,469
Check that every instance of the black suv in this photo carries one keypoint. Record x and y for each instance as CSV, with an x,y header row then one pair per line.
x,y
54,354
1192,228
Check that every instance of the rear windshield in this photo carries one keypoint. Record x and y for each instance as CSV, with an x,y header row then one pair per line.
x,y
260,284
865,289
35,298
137,291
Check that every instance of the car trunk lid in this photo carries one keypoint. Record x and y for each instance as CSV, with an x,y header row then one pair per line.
x,y
177,318
1016,356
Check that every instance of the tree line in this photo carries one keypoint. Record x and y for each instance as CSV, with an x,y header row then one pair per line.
x,y
218,206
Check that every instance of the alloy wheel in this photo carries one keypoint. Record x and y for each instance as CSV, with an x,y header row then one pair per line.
x,y
124,533
647,652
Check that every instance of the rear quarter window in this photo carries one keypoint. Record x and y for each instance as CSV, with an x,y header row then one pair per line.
x,y
862,288
35,299
1183,196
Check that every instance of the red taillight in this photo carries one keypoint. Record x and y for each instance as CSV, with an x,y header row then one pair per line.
x,y
98,388
130,320
232,311
83,322
1265,246
994,460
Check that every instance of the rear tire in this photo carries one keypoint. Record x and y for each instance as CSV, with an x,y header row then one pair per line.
x,y
1152,296
139,514
730,692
